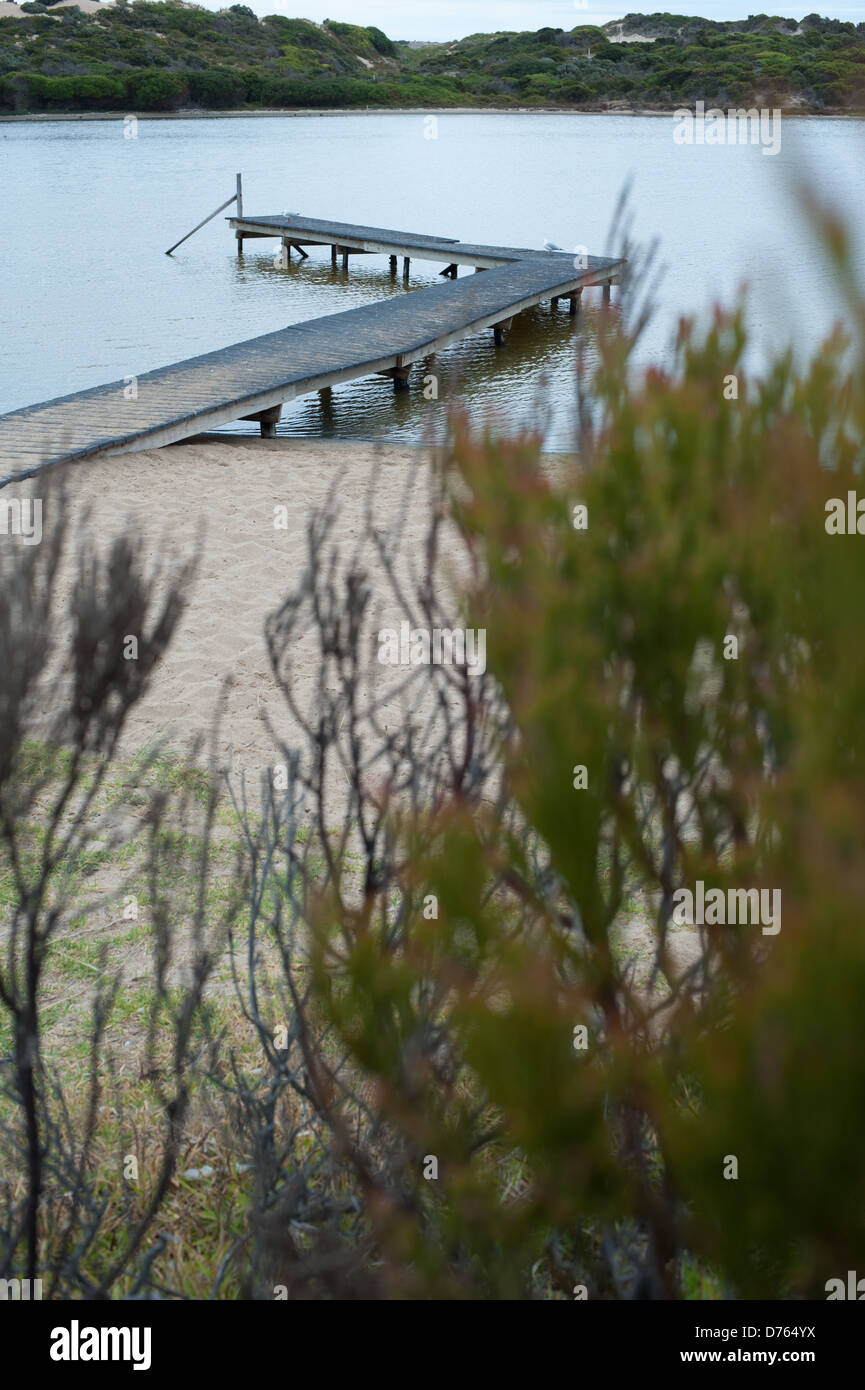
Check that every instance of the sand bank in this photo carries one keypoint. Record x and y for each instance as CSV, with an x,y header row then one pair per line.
x,y
220,492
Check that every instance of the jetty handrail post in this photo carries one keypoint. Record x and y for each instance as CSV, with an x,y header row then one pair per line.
x,y
209,218
239,196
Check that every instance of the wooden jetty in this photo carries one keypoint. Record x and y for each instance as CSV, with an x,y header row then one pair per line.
x,y
252,380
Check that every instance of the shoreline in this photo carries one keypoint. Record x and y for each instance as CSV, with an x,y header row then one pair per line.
x,y
214,500
239,507
295,111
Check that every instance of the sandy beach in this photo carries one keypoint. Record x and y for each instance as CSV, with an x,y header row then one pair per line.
x,y
221,492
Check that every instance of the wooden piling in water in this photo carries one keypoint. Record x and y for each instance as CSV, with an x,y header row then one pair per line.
x,y
267,419
249,379
399,374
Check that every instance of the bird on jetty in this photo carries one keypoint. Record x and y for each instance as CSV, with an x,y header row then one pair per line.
x,y
551,246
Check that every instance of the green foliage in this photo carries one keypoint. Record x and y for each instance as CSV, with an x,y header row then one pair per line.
x,y
300,32
452,1035
157,90
822,64
706,518
217,87
380,42
300,60
31,91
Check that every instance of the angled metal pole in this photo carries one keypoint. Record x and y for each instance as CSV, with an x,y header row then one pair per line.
x,y
221,208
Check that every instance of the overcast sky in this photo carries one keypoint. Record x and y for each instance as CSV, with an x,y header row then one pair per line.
x,y
453,19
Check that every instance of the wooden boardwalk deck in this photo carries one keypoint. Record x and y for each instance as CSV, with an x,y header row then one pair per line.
x,y
311,231
255,378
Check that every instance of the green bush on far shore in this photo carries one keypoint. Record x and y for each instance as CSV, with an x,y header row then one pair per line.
x,y
156,89
49,58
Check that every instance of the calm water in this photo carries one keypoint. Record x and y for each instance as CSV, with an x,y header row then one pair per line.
x,y
87,295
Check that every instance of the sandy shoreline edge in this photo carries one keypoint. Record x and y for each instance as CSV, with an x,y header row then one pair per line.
x,y
243,506
792,114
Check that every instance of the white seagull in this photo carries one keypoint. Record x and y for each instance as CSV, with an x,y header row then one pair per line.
x,y
551,246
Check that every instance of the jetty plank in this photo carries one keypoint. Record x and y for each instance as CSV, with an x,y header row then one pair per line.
x,y
260,374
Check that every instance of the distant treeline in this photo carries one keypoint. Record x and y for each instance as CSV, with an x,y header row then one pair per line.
x,y
159,89
166,57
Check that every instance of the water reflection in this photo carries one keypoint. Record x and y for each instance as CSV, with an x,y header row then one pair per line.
x,y
535,366
105,302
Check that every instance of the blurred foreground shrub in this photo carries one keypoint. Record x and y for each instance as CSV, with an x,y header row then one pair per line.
x,y
540,1075
477,1046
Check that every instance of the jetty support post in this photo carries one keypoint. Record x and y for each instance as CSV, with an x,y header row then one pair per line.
x,y
400,375
239,204
576,303
325,403
392,267
554,302
268,419
406,263
333,256
401,381
607,292
500,331
344,259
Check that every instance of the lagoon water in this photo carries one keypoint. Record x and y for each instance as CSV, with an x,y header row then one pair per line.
x,y
87,295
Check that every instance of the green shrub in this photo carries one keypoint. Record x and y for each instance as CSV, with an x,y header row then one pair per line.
x,y
32,91
216,88
576,92
380,42
825,65
683,677
157,90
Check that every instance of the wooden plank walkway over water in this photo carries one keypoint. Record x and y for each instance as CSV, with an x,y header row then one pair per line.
x,y
294,229
253,379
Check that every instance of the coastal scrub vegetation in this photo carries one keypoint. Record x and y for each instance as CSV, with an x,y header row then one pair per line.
x,y
166,56
448,1036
